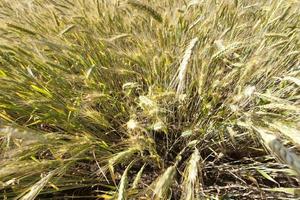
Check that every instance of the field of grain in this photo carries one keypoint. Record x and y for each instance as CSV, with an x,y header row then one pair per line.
x,y
157,99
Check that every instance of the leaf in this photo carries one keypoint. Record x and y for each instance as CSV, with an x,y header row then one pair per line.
x,y
267,176
2,73
42,91
67,29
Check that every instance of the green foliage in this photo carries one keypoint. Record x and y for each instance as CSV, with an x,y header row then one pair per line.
x,y
149,99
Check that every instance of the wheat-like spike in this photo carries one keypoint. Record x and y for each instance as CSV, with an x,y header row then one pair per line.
x,y
228,49
124,183
138,177
292,79
119,157
191,177
37,187
192,3
183,65
199,19
21,29
163,183
276,147
147,9
291,133
67,29
281,106
286,155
